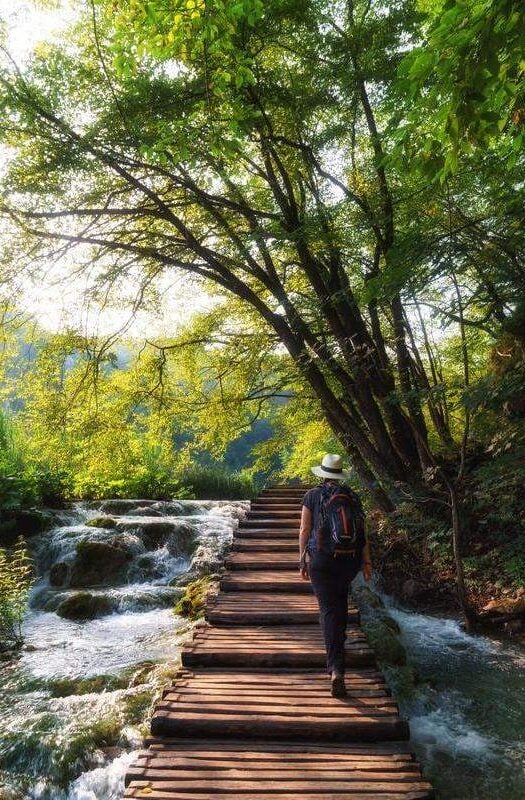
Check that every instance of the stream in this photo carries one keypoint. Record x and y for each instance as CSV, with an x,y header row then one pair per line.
x,y
74,705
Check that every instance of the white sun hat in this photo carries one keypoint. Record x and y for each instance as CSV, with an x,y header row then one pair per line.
x,y
331,467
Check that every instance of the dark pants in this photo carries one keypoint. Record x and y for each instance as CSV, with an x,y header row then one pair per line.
x,y
331,578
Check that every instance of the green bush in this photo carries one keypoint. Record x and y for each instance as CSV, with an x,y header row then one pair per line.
x,y
16,487
15,582
22,483
217,483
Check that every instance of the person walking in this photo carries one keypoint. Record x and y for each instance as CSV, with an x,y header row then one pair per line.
x,y
333,548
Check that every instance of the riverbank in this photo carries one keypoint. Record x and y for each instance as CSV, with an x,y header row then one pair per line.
x,y
414,563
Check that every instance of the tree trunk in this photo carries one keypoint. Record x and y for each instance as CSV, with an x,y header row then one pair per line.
x,y
455,505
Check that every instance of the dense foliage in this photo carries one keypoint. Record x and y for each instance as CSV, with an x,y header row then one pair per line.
x,y
75,431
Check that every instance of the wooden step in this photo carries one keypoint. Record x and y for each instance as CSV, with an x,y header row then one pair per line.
x,y
176,762
272,705
264,522
271,513
267,533
283,496
264,560
284,490
275,506
279,646
265,750
243,545
176,790
293,504
266,608
265,581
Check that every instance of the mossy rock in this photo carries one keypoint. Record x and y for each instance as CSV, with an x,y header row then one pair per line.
x,y
98,563
123,505
193,601
77,753
383,636
181,541
108,523
24,522
136,707
68,687
364,596
152,531
144,511
84,606
138,674
59,574
404,682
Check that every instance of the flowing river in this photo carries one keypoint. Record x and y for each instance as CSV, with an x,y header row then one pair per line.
x,y
73,707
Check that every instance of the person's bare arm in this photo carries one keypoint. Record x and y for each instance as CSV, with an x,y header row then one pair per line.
x,y
304,534
366,563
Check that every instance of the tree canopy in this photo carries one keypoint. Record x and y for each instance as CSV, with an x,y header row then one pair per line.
x,y
316,163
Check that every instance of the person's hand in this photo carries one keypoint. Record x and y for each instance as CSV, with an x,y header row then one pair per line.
x,y
367,570
303,570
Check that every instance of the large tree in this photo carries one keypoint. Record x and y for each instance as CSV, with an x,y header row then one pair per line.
x,y
246,147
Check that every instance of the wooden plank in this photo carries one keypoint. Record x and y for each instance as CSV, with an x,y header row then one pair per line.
x,y
262,532
380,782
264,749
274,506
140,789
265,581
283,633
356,703
270,522
247,725
271,658
163,759
266,561
294,492
279,503
239,608
271,512
264,545
300,679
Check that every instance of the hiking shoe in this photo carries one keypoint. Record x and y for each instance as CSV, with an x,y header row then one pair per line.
x,y
338,686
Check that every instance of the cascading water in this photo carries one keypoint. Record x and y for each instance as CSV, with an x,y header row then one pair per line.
x,y
467,716
73,704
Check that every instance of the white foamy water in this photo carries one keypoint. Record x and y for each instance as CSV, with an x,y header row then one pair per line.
x,y
67,649
103,782
52,738
468,724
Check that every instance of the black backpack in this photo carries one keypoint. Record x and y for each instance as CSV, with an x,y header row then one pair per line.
x,y
341,532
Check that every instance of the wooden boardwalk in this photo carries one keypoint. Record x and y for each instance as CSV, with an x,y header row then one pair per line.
x,y
250,715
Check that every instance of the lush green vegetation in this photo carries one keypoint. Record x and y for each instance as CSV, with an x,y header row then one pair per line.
x,y
15,582
345,181
75,435
193,601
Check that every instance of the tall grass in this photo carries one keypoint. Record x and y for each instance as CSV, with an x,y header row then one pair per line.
x,y
216,483
24,483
